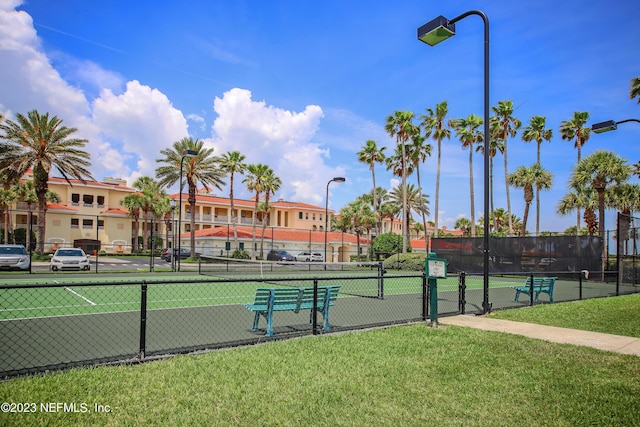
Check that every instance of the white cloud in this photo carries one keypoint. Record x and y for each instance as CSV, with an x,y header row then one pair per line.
x,y
143,121
279,138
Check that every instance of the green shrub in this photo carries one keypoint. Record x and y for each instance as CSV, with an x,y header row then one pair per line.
x,y
240,254
406,262
388,243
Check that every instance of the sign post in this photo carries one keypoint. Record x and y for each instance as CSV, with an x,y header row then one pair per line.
x,y
435,268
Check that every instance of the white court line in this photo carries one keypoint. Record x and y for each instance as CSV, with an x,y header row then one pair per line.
x,y
78,295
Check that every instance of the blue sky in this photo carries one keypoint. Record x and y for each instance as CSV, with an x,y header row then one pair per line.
x,y
301,86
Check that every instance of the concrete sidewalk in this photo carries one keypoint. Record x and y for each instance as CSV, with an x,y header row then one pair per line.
x,y
607,342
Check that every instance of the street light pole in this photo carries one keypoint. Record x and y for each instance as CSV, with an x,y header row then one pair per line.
x,y
326,214
173,235
185,154
432,33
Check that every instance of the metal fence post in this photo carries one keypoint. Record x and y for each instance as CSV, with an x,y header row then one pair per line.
x,y
425,298
381,280
314,312
531,290
143,320
462,292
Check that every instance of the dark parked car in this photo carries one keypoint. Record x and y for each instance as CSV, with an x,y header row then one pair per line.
x,y
184,254
280,256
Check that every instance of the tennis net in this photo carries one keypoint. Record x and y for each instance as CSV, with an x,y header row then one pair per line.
x,y
361,279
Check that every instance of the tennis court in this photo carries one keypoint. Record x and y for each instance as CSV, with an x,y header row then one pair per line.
x,y
72,320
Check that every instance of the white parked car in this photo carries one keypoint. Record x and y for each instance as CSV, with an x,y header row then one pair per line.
x,y
14,256
310,256
70,259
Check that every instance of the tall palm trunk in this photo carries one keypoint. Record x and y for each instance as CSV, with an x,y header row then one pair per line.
x,y
233,216
405,223
40,177
253,224
192,210
424,218
506,184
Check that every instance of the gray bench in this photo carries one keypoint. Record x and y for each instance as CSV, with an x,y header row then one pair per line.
x,y
269,300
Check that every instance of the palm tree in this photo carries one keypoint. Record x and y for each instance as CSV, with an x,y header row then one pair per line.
x,y
635,169
133,203
464,225
468,133
27,193
418,153
371,154
416,201
7,198
625,198
390,210
505,126
580,198
399,125
536,132
254,180
635,89
41,143
357,217
574,128
232,163
203,168
270,184
434,124
529,178
599,170
149,190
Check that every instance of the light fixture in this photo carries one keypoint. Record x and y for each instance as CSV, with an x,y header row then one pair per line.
x,y
437,30
609,125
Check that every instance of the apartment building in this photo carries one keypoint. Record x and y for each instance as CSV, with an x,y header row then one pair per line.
x,y
89,215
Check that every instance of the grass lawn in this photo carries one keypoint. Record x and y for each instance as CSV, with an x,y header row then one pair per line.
x,y
619,316
402,375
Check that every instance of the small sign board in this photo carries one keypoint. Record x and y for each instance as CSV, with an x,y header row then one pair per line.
x,y
436,268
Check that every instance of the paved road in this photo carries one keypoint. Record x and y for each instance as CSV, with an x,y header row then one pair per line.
x,y
115,264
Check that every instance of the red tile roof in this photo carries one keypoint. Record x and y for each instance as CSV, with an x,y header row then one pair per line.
x,y
280,234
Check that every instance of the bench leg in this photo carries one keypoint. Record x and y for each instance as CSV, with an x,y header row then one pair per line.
x,y
269,323
256,318
325,314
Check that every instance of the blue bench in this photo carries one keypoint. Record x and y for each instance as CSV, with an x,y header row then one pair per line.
x,y
541,285
268,300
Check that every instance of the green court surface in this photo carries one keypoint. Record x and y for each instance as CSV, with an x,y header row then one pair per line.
x,y
90,295
84,294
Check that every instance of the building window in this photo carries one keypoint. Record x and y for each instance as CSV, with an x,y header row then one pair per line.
x,y
75,199
101,224
74,222
87,223
306,215
100,200
299,215
320,217
87,200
